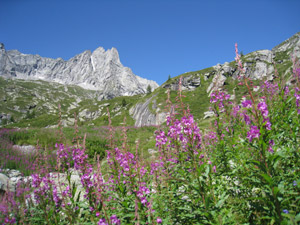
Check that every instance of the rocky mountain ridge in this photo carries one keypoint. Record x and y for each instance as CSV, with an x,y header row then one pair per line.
x,y
39,107
98,70
258,65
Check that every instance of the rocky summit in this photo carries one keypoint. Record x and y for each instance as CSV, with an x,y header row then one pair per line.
x,y
98,70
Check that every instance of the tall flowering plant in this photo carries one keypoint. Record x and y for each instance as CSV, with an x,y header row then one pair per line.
x,y
183,172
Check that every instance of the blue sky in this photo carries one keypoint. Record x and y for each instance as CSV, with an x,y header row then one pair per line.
x,y
155,38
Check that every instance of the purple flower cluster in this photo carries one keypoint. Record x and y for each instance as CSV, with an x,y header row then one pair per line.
x,y
286,91
296,71
253,133
186,131
263,108
270,88
8,220
271,144
297,96
156,167
102,221
130,173
45,188
219,97
158,220
235,110
114,220
125,160
161,138
56,198
247,104
64,156
211,138
79,158
247,118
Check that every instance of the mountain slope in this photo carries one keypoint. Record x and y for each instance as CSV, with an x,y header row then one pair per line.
x,y
197,85
35,103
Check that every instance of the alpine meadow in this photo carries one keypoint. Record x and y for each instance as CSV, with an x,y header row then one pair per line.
x,y
86,141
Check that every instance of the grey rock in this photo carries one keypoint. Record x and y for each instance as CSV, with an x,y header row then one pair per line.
x,y
91,115
13,173
161,117
143,115
208,114
26,149
217,82
188,83
5,184
99,70
288,44
152,151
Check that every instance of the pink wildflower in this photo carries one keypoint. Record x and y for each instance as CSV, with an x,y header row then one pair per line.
x,y
253,133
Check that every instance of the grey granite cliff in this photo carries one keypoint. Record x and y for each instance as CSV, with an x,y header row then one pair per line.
x,y
99,70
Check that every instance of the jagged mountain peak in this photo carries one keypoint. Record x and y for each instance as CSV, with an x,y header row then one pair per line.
x,y
98,70
100,56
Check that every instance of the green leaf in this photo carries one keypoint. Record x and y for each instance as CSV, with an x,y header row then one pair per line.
x,y
267,178
222,200
276,190
125,204
297,218
78,197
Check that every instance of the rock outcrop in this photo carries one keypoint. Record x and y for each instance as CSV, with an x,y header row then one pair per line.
x,y
258,65
10,179
99,70
188,83
143,116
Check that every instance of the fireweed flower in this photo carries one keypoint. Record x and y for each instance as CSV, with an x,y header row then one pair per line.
x,y
253,133
214,169
263,108
114,219
219,97
247,104
156,167
56,198
211,138
102,222
159,220
270,88
161,138
246,117
286,91
42,187
66,192
239,61
64,156
267,124
271,144
297,96
235,110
